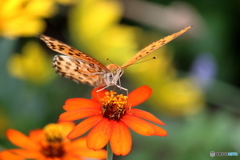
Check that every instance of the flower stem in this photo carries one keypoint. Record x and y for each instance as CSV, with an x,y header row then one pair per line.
x,y
109,152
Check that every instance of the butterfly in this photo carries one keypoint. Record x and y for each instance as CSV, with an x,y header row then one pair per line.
x,y
82,68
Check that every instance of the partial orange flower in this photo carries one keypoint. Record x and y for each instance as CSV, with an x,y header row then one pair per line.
x,y
110,115
49,143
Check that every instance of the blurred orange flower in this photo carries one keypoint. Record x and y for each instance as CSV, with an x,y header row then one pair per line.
x,y
110,115
50,143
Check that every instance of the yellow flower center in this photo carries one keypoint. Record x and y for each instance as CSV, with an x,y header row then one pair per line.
x,y
53,144
114,105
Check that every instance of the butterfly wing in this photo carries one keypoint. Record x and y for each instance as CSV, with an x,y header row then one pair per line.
x,y
76,65
155,45
79,71
63,48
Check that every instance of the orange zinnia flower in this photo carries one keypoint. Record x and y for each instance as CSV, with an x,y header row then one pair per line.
x,y
49,144
109,116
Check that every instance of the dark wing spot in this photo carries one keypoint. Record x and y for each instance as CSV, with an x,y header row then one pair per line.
x,y
59,68
91,65
71,49
61,47
91,70
163,42
100,70
60,58
78,62
78,54
51,45
61,74
51,39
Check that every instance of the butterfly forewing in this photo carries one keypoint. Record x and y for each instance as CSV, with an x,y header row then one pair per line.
x,y
63,48
76,65
155,45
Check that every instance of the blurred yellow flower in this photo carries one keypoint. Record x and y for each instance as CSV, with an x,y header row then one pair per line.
x,y
25,17
95,24
179,97
33,65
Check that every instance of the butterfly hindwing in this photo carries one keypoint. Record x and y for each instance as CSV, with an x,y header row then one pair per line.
x,y
78,70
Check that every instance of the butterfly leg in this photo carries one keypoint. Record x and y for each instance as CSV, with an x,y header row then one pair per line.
x,y
102,89
125,89
119,86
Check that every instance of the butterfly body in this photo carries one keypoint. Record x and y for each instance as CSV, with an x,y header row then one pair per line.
x,y
116,72
82,68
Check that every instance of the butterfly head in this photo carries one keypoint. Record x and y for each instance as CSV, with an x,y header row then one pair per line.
x,y
113,76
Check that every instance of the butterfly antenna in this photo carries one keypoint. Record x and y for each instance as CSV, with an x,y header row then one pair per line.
x,y
111,61
140,62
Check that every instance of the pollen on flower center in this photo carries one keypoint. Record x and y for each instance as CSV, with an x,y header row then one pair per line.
x,y
53,144
114,105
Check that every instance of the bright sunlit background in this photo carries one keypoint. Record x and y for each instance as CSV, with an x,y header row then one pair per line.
x,y
195,78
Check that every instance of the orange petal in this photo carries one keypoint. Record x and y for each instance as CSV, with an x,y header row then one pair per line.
x,y
78,147
70,157
99,154
139,95
84,126
7,155
79,114
99,136
36,135
146,115
77,143
78,103
98,95
55,158
139,125
160,131
21,140
121,139
28,154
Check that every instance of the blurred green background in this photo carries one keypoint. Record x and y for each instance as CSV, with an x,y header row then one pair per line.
x,y
195,78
